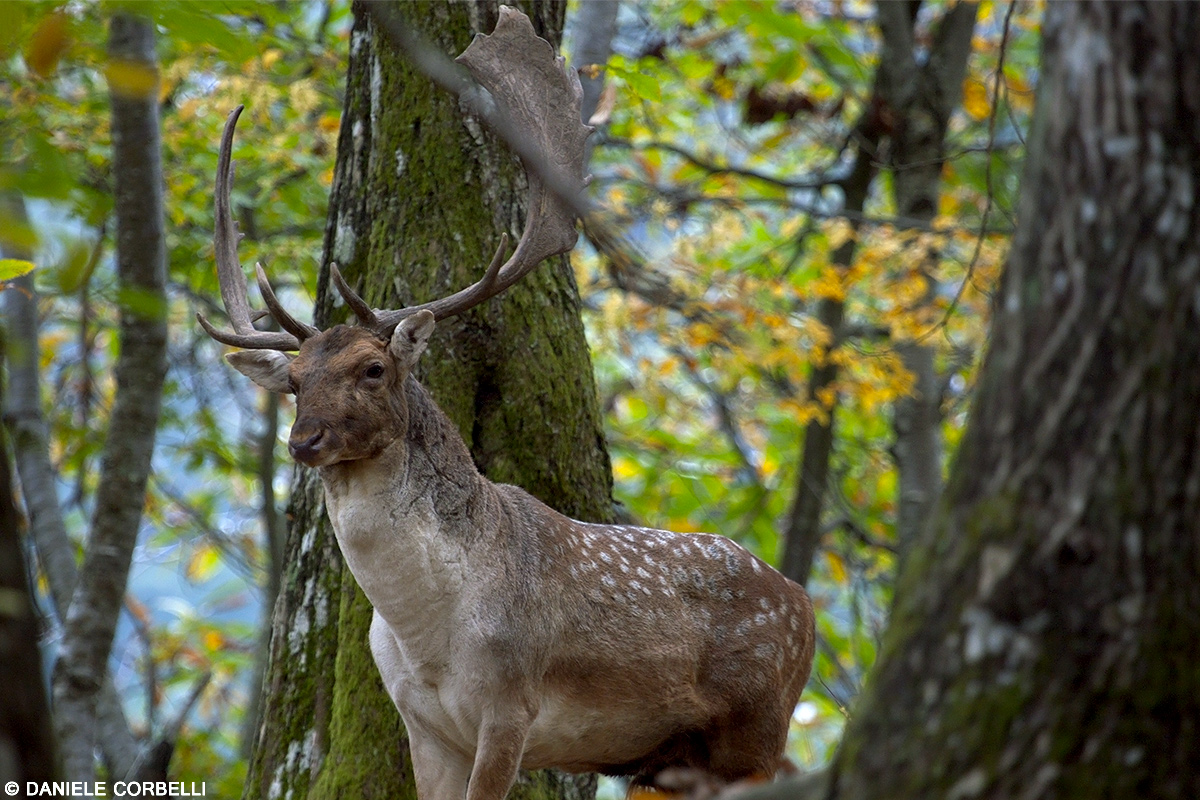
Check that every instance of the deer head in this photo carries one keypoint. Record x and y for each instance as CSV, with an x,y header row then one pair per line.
x,y
348,380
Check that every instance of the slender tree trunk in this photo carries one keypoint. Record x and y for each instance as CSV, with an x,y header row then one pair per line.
x,y
27,751
802,529
420,198
275,535
921,96
140,370
1046,633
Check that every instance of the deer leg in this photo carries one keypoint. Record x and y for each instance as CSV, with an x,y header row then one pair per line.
x,y
747,746
441,773
498,755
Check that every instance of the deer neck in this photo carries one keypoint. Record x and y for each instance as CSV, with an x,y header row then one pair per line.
x,y
408,519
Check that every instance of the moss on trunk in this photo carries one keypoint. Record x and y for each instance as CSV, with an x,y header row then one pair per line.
x,y
420,199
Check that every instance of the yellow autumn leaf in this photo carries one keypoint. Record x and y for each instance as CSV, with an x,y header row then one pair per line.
x,y
625,468
133,79
723,87
975,99
203,563
213,640
839,232
837,567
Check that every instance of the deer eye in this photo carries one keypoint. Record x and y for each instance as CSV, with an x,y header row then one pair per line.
x,y
375,371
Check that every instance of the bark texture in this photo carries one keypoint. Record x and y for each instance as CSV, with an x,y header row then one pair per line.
x,y
420,197
1046,631
140,370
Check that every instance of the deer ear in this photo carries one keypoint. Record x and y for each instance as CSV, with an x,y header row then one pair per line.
x,y
267,368
411,336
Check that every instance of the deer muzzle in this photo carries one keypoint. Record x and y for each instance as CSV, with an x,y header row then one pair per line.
x,y
308,448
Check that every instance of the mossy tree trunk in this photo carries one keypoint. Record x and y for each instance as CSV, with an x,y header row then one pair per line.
x,y
1046,631
420,197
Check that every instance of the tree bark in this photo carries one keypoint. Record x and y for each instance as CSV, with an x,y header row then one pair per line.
x,y
1045,633
274,540
140,370
27,750
420,197
921,97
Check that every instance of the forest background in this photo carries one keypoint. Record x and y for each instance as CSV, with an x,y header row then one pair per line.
x,y
770,290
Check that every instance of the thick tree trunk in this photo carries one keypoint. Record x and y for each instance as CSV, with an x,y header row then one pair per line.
x,y
1046,631
420,198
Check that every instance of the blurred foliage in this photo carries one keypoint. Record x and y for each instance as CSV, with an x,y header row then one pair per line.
x,y
724,134
194,606
724,131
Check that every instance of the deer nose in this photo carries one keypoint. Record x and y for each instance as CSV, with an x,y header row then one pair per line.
x,y
308,450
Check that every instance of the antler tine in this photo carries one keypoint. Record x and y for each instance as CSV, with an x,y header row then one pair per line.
x,y
499,276
286,321
229,270
361,310
542,109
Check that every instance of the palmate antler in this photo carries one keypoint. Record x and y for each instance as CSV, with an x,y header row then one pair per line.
x,y
536,96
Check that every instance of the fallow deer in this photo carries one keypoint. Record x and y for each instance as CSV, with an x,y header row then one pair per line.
x,y
507,634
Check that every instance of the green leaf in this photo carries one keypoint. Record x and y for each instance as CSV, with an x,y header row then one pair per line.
x,y
14,268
